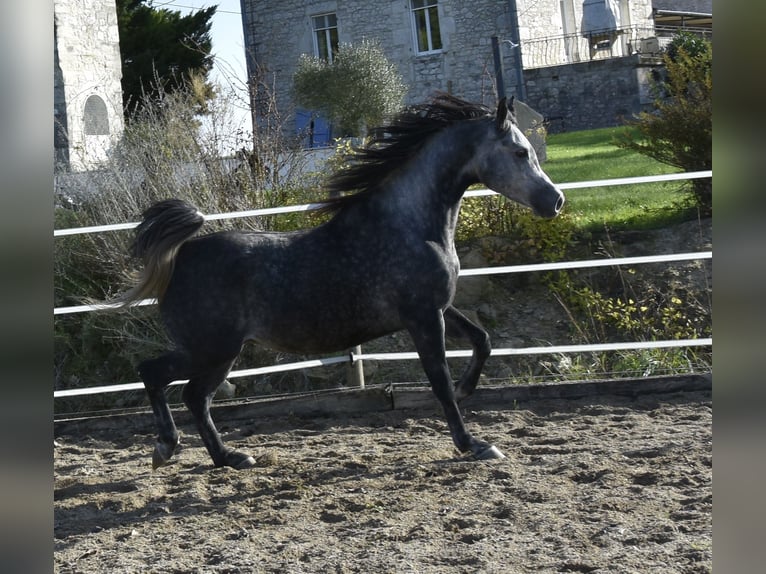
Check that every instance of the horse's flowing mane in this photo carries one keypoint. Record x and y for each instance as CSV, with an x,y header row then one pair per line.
x,y
390,146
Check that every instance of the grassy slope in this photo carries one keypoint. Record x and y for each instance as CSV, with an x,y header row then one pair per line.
x,y
591,155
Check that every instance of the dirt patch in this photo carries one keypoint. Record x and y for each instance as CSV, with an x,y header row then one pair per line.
x,y
591,485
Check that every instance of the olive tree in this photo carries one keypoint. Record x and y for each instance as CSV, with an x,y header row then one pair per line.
x,y
356,90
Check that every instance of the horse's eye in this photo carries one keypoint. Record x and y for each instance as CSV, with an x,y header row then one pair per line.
x,y
522,153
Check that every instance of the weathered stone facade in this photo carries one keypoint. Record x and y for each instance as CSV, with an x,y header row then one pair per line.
x,y
589,95
87,92
277,33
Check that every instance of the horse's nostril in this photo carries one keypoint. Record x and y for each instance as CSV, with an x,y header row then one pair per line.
x,y
559,202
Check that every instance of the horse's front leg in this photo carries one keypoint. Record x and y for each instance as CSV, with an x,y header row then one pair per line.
x,y
427,330
460,327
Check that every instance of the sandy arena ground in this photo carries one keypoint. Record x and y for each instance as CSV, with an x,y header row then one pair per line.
x,y
602,484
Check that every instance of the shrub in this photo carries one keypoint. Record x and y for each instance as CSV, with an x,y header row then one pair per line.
x,y
679,131
357,89
512,234
163,154
623,304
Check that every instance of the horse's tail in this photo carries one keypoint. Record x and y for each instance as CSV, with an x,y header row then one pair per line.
x,y
165,227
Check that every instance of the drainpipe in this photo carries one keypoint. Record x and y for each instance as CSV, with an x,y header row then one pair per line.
x,y
521,92
499,81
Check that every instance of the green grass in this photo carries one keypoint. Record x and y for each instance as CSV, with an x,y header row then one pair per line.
x,y
591,155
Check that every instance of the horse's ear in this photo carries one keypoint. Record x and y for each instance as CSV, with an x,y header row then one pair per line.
x,y
502,112
505,109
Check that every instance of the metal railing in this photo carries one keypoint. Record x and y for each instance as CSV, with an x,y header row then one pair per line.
x,y
600,45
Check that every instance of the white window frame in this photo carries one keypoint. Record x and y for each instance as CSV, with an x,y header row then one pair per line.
x,y
320,24
426,7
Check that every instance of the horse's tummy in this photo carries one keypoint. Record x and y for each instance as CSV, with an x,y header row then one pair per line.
x,y
303,293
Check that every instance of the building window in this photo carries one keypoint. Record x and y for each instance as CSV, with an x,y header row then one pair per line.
x,y
325,36
425,23
96,118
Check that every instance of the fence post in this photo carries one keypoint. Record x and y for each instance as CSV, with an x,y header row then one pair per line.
x,y
355,369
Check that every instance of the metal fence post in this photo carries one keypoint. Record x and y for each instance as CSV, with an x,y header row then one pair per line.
x,y
355,372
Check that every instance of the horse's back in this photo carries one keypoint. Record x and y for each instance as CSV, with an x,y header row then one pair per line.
x,y
210,279
299,292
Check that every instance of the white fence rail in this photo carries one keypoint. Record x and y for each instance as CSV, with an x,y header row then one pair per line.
x,y
354,357
470,193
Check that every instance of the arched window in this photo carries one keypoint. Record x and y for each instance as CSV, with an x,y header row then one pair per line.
x,y
96,119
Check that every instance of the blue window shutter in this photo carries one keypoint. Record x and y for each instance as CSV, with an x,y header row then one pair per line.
x,y
313,129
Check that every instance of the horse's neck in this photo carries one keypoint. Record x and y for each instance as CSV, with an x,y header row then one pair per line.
x,y
427,192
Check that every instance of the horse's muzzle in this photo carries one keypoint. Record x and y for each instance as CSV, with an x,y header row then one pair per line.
x,y
551,207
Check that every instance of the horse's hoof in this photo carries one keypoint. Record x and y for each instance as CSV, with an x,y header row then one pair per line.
x,y
489,453
162,453
248,462
239,460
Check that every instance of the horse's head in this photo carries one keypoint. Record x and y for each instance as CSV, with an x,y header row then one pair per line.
x,y
507,163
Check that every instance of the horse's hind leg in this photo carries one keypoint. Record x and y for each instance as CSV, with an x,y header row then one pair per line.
x,y
157,374
198,396
460,327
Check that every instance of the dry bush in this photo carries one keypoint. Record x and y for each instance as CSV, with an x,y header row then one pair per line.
x,y
166,151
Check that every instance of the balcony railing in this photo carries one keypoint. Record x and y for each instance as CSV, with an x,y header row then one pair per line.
x,y
614,43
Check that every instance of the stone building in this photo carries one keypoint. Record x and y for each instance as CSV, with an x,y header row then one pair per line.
x,y
447,45
87,110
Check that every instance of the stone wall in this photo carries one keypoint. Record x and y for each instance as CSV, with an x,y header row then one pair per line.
x,y
589,95
87,92
277,33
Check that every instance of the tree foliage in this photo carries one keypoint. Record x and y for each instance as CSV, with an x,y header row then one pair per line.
x,y
679,131
160,50
693,44
356,90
